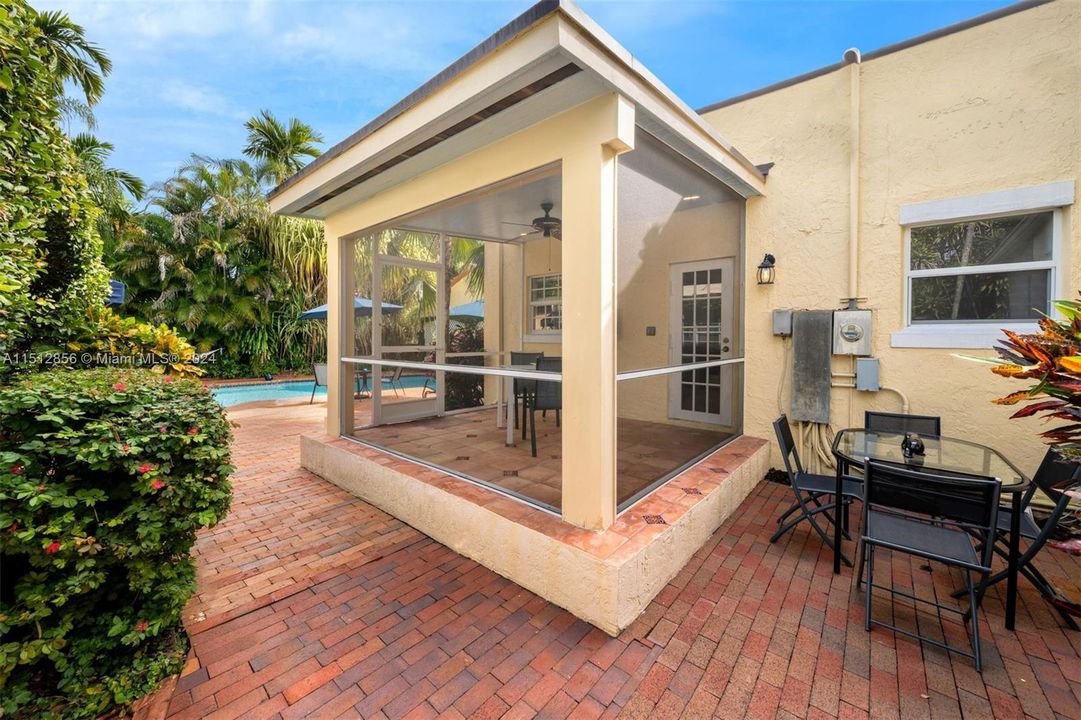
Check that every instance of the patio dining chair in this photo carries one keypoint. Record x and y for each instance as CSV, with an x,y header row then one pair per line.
x,y
1051,479
546,395
523,388
809,489
902,423
319,370
934,517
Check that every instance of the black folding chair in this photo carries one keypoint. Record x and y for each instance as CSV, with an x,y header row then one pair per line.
x,y
935,517
902,423
546,395
1051,478
523,388
809,489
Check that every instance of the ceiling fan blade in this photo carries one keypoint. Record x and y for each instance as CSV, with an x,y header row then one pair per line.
x,y
508,222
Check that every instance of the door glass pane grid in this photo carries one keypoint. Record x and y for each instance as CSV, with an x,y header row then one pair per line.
x,y
701,340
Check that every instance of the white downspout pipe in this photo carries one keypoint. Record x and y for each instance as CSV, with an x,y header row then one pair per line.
x,y
852,56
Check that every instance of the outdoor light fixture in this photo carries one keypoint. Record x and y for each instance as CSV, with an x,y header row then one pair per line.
x,y
767,270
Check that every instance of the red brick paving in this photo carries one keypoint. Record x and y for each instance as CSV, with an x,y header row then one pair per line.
x,y
318,605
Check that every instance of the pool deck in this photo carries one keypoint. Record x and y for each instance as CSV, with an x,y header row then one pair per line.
x,y
312,603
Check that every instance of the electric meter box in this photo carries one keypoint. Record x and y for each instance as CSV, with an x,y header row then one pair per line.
x,y
852,332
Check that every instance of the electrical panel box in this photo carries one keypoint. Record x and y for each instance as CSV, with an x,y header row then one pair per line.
x,y
851,332
867,374
782,322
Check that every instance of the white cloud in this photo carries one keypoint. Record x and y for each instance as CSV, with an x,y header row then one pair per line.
x,y
200,99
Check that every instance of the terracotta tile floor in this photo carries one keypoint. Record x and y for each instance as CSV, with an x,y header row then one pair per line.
x,y
318,605
471,444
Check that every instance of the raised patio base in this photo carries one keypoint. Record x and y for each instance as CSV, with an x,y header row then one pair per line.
x,y
606,578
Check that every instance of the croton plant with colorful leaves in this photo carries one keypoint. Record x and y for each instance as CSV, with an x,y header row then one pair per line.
x,y
106,475
1051,361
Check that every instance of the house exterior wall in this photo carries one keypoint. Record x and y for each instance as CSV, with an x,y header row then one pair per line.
x,y
990,108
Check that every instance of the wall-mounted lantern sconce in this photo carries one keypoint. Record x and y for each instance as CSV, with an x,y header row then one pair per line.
x,y
767,270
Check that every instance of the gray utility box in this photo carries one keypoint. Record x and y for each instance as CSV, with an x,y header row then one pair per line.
x,y
867,374
851,332
782,322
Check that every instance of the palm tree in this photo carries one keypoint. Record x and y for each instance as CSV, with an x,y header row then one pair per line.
x,y
72,56
280,148
109,186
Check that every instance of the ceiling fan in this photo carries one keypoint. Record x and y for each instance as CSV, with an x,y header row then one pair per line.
x,y
546,226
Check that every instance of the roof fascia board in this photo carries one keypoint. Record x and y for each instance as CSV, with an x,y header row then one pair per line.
x,y
444,107
563,96
704,142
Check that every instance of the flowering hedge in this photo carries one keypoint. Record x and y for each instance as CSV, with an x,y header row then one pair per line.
x,y
105,477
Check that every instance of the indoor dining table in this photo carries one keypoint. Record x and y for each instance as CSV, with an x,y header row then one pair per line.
x,y
852,447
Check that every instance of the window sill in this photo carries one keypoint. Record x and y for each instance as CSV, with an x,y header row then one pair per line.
x,y
555,338
962,336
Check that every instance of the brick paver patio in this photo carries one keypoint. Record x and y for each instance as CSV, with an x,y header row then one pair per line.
x,y
313,603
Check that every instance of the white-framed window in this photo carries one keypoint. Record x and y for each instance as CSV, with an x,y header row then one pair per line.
x,y
545,308
986,270
978,264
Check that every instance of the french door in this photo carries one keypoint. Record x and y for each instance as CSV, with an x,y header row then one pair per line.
x,y
700,322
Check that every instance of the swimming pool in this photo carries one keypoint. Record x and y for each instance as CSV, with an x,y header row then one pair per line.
x,y
229,395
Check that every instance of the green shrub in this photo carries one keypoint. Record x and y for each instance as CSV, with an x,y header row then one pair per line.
x,y
105,477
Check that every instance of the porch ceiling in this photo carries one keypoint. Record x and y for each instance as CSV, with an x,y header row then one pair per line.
x,y
551,58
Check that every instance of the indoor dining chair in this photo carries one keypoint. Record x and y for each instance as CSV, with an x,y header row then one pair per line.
x,y
523,388
546,395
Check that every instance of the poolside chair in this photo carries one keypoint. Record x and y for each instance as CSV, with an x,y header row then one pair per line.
x,y
320,372
934,517
809,489
902,423
394,381
546,395
1051,478
523,388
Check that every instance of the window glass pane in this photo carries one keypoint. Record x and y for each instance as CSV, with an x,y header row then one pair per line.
x,y
982,296
1021,238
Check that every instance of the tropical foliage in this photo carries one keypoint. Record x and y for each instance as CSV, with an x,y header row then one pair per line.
x,y
105,477
50,253
1051,360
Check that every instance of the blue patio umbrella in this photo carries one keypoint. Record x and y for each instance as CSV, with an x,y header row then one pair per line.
x,y
473,309
362,307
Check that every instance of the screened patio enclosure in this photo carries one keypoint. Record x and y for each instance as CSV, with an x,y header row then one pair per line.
x,y
452,395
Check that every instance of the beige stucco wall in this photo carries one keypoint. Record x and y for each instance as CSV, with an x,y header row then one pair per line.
x,y
994,107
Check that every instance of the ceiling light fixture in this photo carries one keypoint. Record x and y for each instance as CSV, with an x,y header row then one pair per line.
x,y
688,198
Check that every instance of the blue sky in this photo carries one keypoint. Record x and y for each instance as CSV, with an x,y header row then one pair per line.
x,y
187,73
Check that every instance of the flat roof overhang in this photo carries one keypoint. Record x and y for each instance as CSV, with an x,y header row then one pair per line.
x,y
549,59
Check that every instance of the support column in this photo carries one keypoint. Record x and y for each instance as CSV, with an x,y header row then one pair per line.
x,y
340,334
589,321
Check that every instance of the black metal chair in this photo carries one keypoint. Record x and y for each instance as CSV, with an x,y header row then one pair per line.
x,y
935,517
809,489
546,395
902,423
1051,478
523,388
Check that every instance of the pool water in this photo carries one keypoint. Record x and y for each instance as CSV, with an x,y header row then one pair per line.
x,y
229,395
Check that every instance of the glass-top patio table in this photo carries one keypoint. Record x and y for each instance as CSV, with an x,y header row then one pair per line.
x,y
853,446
